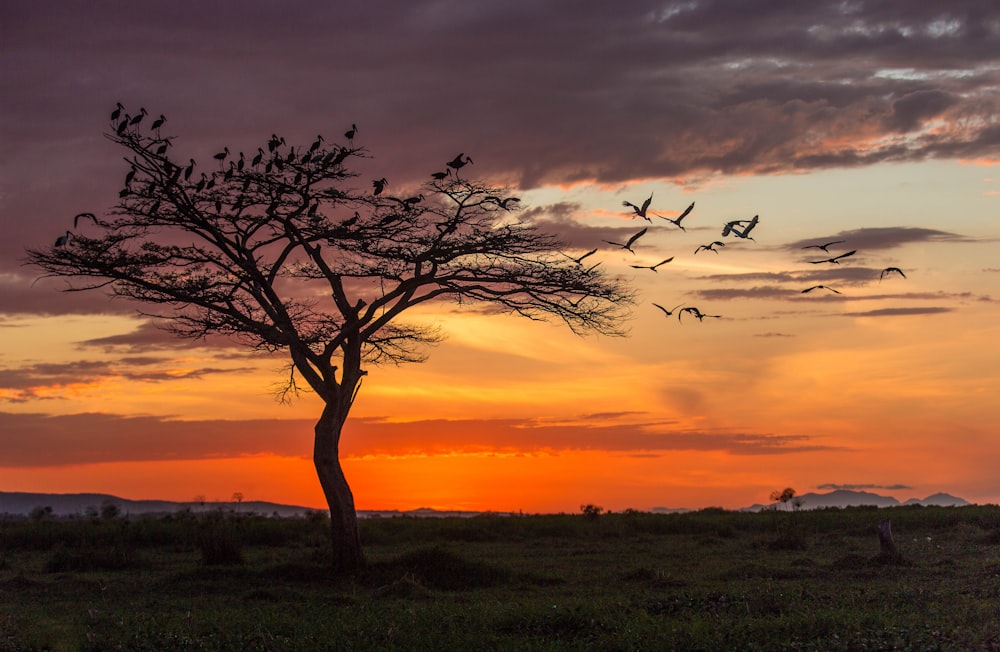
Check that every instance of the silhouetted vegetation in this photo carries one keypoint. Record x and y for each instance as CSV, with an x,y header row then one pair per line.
x,y
238,247
708,579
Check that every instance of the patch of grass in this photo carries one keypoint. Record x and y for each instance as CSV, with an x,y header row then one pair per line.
x,y
701,580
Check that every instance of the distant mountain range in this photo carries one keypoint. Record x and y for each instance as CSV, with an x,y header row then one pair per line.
x,y
847,498
22,503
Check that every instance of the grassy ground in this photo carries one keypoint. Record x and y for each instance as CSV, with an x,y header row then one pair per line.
x,y
708,580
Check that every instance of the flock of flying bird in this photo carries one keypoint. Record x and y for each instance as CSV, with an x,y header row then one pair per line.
x,y
739,229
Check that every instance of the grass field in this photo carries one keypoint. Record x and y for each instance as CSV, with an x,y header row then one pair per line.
x,y
707,580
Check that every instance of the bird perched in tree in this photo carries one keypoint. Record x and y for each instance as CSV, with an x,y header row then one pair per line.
x,y
63,240
378,185
459,162
823,246
158,122
138,117
640,211
677,221
628,243
117,112
820,287
352,132
835,259
890,270
439,176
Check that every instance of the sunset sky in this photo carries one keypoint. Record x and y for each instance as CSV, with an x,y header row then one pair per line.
x,y
869,122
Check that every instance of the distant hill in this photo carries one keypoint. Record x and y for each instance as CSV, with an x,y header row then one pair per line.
x,y
15,502
847,498
21,503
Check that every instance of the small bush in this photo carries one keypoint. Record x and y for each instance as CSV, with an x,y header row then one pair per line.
x,y
218,542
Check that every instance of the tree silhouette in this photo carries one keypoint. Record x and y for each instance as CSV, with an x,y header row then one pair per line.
x,y
280,251
783,496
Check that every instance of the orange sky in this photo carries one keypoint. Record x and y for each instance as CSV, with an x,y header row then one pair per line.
x,y
890,388
829,121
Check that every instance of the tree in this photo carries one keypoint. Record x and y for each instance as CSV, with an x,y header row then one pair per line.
x,y
783,496
283,253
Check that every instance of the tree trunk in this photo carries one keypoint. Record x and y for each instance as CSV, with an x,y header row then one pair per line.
x,y
888,552
347,554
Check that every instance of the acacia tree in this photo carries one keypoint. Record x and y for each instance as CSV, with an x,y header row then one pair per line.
x,y
283,252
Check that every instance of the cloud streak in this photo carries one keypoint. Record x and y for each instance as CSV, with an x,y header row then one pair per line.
x,y
552,92
44,440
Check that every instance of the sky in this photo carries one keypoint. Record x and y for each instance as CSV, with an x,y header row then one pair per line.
x,y
870,123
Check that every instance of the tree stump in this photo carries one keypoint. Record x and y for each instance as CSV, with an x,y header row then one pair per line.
x,y
888,552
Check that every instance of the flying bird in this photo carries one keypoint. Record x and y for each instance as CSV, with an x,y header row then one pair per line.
x,y
640,211
666,312
820,287
694,311
85,215
890,270
745,233
677,221
824,245
711,246
835,259
653,267
579,261
378,186
502,203
628,243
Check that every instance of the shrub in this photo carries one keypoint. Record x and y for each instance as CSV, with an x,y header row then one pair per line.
x,y
218,542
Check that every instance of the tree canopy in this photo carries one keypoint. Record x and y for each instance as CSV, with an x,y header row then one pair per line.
x,y
284,251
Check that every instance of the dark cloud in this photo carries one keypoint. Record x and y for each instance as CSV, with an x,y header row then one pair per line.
x,y
858,487
874,238
43,440
538,92
152,336
897,312
45,379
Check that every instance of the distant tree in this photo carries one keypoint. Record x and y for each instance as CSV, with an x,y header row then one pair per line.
x,y
591,510
40,513
280,251
109,510
783,496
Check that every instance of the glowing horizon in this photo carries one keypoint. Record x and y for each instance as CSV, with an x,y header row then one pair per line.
x,y
875,381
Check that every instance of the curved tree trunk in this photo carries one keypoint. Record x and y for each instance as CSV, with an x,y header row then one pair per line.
x,y
347,554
